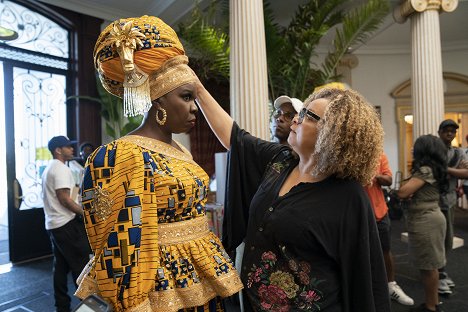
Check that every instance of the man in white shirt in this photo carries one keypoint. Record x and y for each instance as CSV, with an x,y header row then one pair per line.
x,y
63,220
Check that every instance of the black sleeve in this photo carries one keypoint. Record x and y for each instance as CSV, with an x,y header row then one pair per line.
x,y
365,286
247,161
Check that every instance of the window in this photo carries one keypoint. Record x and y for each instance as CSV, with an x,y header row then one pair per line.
x,y
36,68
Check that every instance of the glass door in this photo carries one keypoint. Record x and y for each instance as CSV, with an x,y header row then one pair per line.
x,y
4,253
35,111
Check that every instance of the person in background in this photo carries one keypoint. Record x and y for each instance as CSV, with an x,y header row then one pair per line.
x,y
77,163
383,177
286,108
465,181
457,169
86,149
425,222
311,241
143,195
63,220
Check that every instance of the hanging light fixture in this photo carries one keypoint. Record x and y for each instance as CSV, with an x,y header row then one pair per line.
x,y
7,34
409,119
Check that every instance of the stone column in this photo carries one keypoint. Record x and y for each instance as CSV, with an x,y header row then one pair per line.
x,y
347,63
427,74
249,83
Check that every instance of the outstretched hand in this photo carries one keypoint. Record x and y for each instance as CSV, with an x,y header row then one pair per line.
x,y
197,81
220,121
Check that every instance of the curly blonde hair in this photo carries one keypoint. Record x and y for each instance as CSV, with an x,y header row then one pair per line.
x,y
350,139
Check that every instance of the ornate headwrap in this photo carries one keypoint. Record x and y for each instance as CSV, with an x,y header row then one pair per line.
x,y
140,59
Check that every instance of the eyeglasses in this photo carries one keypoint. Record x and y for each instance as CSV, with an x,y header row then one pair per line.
x,y
307,113
287,115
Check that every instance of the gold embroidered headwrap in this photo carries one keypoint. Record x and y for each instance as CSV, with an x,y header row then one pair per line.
x,y
140,59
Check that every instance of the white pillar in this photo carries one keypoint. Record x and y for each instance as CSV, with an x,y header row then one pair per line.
x,y
427,89
427,77
249,83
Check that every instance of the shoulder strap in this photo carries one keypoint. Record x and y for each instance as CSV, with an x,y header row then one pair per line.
x,y
456,156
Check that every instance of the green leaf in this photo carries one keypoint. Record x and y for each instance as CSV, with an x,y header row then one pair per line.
x,y
207,45
132,124
358,25
84,97
289,49
110,130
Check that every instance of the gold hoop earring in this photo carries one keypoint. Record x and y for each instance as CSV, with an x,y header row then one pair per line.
x,y
163,120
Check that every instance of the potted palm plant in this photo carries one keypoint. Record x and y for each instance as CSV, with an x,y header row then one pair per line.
x,y
290,49
116,125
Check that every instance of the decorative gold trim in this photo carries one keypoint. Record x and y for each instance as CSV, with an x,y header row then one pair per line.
x,y
87,287
183,231
173,300
86,284
145,306
173,73
101,206
196,295
159,147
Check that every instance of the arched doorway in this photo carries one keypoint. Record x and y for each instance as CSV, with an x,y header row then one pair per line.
x,y
456,108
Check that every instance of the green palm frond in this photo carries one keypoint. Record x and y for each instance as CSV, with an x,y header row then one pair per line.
x,y
357,27
116,124
290,71
275,48
289,49
208,45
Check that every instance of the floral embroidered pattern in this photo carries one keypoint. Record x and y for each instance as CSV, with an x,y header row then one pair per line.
x,y
287,286
277,166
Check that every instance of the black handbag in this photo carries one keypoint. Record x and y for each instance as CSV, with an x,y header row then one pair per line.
x,y
396,205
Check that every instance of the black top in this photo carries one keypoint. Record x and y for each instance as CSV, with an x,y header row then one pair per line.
x,y
314,249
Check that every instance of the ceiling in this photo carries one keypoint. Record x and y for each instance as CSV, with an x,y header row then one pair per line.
x,y
390,38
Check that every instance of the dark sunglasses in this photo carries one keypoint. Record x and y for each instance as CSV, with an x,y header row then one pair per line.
x,y
307,113
287,115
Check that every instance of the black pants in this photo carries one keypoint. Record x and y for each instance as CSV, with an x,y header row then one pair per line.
x,y
71,253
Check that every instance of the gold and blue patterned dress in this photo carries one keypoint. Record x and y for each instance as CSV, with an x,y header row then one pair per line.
x,y
144,204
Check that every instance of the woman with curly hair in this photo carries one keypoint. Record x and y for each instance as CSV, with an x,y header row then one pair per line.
x,y
425,221
311,242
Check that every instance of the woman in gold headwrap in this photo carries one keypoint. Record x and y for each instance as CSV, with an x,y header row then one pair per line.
x,y
143,195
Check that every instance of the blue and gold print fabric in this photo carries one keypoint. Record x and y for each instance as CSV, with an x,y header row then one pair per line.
x,y
144,208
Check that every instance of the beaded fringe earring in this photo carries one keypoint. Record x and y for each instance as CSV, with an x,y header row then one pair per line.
x,y
164,113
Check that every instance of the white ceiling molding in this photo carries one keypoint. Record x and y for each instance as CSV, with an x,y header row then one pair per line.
x,y
391,38
92,8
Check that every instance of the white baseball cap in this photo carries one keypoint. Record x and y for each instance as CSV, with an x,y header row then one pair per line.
x,y
296,103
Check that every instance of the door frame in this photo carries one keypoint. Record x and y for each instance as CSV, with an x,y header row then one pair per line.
x,y
28,238
455,101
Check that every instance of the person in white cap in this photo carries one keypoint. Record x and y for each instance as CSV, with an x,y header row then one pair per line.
x,y
285,109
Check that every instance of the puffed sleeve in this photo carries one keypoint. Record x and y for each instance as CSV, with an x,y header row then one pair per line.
x,y
247,161
115,203
425,173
